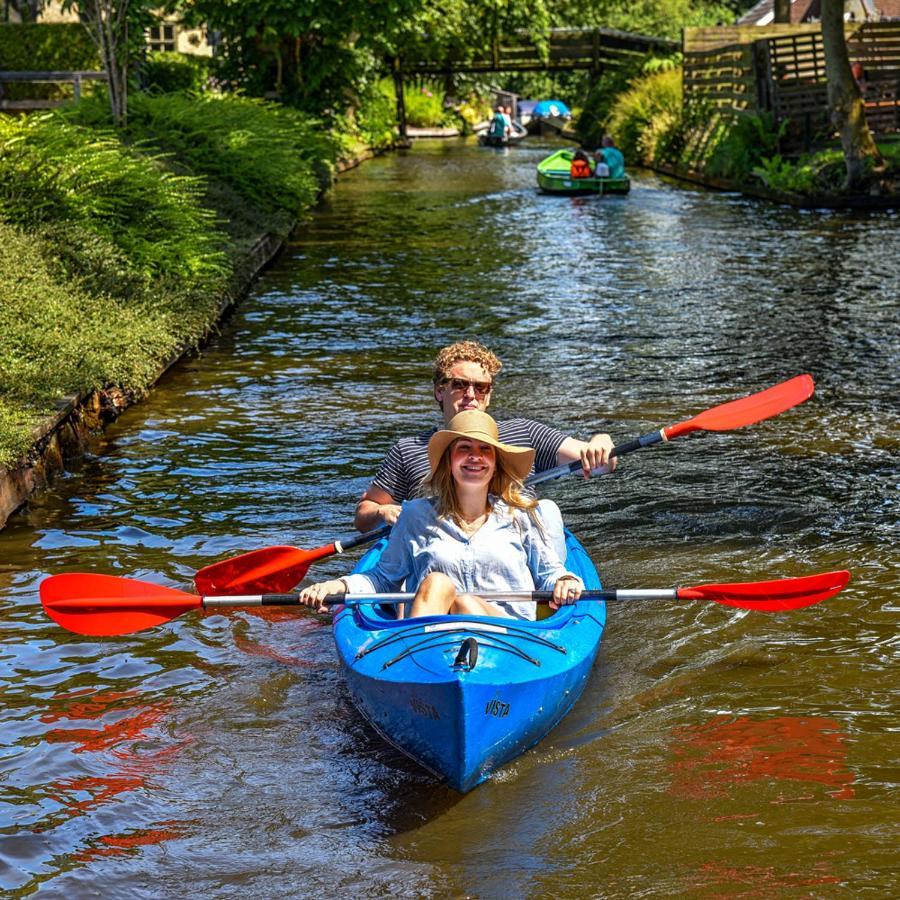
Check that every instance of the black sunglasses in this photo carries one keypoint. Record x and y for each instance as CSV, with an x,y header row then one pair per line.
x,y
462,385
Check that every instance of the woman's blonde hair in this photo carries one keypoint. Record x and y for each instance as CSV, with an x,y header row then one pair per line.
x,y
504,484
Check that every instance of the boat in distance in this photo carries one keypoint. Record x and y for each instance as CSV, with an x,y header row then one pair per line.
x,y
518,134
463,695
554,177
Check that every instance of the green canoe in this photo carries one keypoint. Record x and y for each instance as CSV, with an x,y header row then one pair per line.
x,y
553,178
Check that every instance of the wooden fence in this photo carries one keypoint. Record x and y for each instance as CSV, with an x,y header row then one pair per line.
x,y
53,78
780,69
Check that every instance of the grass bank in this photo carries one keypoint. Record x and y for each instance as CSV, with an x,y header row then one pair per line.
x,y
118,249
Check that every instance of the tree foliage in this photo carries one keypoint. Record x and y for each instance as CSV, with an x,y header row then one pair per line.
x,y
323,56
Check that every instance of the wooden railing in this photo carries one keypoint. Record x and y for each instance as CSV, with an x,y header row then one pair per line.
x,y
74,78
568,49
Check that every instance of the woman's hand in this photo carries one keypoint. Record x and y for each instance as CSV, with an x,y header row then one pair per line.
x,y
313,595
566,590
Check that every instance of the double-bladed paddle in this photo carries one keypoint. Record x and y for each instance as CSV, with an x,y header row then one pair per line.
x,y
726,417
106,605
278,569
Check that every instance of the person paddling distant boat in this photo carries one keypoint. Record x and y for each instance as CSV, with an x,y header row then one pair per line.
x,y
500,124
463,378
478,532
612,157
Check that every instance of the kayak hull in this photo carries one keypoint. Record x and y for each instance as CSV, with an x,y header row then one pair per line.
x,y
553,178
464,695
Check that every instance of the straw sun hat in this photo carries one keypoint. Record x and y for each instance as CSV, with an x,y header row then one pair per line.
x,y
479,426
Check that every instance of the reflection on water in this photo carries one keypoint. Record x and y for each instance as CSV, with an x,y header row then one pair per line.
x,y
219,755
724,753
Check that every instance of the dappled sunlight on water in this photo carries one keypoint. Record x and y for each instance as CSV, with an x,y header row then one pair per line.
x,y
714,753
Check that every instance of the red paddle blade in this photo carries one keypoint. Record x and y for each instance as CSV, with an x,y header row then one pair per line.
x,y
104,605
748,410
771,596
271,570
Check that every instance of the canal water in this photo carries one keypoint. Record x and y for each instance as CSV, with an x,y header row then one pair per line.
x,y
714,753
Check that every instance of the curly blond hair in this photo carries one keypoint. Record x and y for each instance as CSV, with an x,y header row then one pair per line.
x,y
465,351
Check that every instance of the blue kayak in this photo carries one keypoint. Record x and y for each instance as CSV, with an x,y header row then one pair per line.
x,y
463,695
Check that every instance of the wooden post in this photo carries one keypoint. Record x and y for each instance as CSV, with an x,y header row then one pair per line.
x,y
401,103
76,84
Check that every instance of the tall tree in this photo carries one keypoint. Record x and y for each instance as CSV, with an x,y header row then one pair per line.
x,y
107,22
848,114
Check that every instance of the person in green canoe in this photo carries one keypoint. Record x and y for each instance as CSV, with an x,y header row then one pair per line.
x,y
611,156
463,378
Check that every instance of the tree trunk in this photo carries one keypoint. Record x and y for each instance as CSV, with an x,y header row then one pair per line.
x,y
782,11
845,102
107,23
401,102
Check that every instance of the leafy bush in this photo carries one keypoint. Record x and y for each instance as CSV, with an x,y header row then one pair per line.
x,y
739,145
474,109
164,72
273,156
52,171
111,257
604,93
425,105
45,48
375,119
424,102
781,175
646,120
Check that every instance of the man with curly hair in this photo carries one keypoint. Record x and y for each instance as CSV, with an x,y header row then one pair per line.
x,y
463,379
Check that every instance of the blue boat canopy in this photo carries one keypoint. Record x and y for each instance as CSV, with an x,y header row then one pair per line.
x,y
551,108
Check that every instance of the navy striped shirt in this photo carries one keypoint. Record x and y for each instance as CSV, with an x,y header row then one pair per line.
x,y
406,465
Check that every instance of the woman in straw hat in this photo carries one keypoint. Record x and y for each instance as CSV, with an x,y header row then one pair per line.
x,y
478,532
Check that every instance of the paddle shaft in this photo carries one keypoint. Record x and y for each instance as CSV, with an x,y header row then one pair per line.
x,y
101,605
618,450
396,598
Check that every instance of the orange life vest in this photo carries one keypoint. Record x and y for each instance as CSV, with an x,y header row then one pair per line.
x,y
580,169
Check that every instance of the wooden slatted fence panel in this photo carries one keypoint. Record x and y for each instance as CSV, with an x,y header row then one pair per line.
x,y
784,73
723,77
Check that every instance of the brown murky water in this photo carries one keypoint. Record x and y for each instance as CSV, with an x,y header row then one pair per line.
x,y
715,753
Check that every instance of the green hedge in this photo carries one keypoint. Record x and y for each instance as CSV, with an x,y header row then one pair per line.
x,y
52,171
166,72
273,156
45,48
115,254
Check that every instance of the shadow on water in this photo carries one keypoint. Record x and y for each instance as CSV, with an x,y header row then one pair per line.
x,y
219,754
